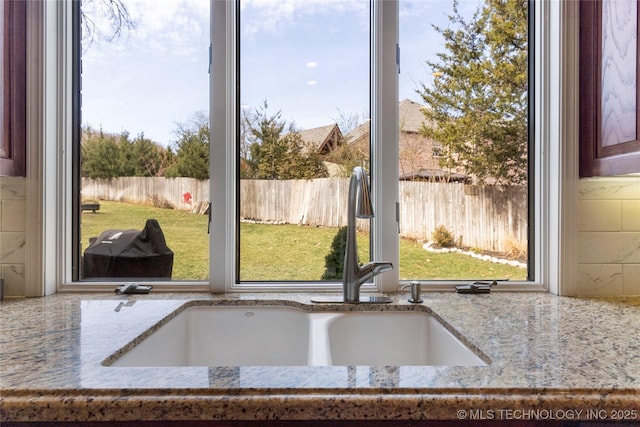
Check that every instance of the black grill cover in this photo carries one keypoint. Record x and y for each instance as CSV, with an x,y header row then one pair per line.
x,y
129,253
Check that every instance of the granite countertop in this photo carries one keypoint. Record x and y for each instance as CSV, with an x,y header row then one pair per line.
x,y
550,358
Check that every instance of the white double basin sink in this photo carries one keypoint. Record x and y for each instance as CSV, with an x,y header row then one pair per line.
x,y
286,336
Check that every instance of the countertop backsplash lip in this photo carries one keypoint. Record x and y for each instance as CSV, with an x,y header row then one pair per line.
x,y
564,350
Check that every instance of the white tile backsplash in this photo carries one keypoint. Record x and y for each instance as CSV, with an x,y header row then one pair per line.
x,y
609,236
12,235
600,215
12,248
14,279
631,279
609,248
616,188
12,215
602,279
630,215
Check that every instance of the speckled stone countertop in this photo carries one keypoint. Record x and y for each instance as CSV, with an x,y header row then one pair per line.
x,y
550,358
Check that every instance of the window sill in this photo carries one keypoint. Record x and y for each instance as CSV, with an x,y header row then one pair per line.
x,y
259,288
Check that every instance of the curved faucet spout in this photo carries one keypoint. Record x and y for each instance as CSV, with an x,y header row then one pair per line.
x,y
359,205
369,270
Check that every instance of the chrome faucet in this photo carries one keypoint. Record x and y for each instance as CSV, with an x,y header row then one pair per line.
x,y
355,275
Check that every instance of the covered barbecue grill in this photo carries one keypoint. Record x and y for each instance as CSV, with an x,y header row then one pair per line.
x,y
129,253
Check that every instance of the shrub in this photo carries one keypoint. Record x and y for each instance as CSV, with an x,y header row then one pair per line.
x,y
334,261
442,237
159,202
515,249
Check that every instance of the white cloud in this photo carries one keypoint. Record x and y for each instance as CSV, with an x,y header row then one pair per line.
x,y
435,11
275,15
179,27
311,64
312,83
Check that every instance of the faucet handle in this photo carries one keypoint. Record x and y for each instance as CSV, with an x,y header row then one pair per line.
x,y
415,291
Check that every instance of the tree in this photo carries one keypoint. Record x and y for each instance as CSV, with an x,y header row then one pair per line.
x,y
334,260
126,160
265,150
98,155
273,155
105,155
477,106
348,157
247,166
302,162
349,121
149,158
192,150
104,20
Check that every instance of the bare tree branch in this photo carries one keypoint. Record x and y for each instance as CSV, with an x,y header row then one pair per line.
x,y
114,13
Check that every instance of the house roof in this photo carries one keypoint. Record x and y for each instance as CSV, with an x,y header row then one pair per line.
x,y
411,116
359,132
321,138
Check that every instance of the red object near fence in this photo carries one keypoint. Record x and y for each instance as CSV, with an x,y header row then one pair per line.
x,y
186,198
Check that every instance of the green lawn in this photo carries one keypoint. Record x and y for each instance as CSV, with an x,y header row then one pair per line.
x,y
276,252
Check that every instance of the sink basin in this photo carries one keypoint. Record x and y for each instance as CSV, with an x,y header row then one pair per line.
x,y
395,338
225,336
286,336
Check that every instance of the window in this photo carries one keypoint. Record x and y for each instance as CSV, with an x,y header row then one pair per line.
x,y
143,162
436,150
226,103
384,127
304,101
381,170
463,140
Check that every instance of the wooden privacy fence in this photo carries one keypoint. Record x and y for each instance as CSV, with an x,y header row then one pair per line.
x,y
175,193
490,218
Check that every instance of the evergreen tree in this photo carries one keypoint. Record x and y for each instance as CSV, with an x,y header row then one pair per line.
x,y
127,163
277,156
334,260
98,155
266,150
477,107
301,162
192,151
151,158
106,155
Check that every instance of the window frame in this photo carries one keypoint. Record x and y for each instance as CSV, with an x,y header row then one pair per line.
x,y
225,116
555,190
384,119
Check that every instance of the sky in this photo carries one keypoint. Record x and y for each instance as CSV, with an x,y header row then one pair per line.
x,y
309,59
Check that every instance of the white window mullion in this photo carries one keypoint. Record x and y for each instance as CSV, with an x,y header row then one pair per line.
x,y
223,146
384,140
557,125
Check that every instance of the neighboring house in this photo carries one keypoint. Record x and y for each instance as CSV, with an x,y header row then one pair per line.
x,y
323,139
418,157
417,153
